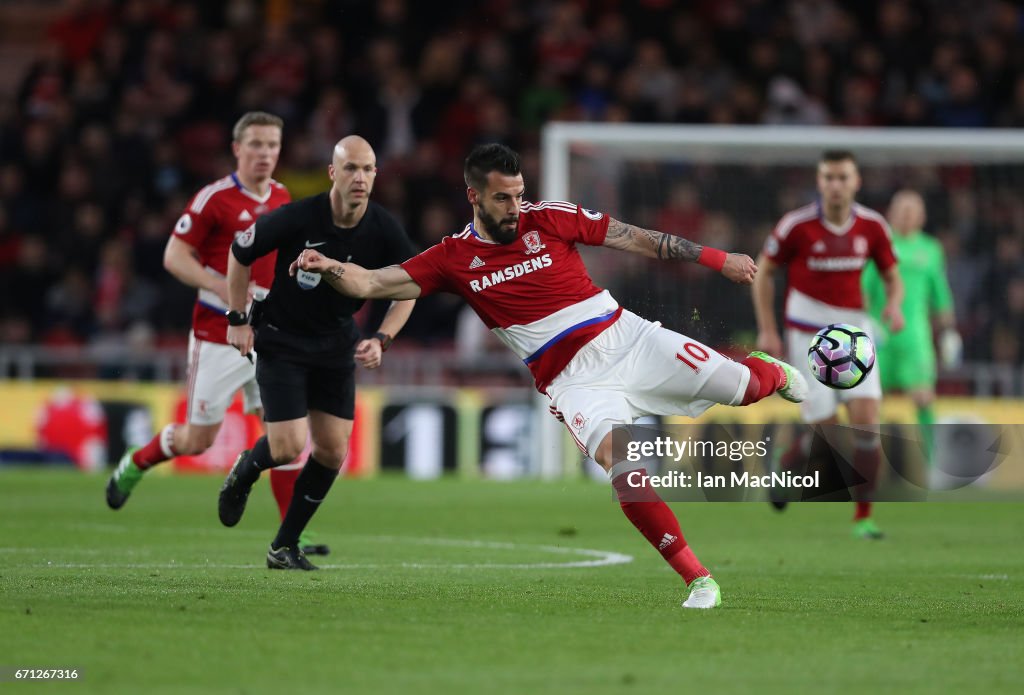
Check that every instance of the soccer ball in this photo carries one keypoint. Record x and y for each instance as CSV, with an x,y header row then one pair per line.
x,y
841,356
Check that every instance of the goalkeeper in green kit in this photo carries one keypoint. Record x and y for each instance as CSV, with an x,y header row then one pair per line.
x,y
907,359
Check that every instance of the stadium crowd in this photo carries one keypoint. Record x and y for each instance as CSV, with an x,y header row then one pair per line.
x,y
126,108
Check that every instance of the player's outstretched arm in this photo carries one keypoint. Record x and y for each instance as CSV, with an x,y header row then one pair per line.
x,y
763,294
738,267
356,281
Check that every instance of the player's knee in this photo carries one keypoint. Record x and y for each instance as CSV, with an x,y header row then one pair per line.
x,y
605,454
922,399
331,457
864,412
286,449
728,384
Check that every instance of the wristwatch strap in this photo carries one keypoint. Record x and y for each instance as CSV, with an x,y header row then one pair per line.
x,y
236,318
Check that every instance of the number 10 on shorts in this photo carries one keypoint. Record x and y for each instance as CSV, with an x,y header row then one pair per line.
x,y
694,353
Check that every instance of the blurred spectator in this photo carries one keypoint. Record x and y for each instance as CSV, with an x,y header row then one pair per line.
x,y
26,284
788,105
69,305
123,108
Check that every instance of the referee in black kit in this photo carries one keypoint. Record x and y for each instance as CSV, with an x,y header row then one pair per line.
x,y
306,340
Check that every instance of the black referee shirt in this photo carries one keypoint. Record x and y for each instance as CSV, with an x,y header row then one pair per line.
x,y
305,305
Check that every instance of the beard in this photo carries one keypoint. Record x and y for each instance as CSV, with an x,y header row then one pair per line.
x,y
494,228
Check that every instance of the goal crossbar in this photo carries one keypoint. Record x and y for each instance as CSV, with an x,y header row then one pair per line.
x,y
769,144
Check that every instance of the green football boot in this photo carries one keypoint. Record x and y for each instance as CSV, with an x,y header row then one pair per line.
x,y
867,530
123,480
704,593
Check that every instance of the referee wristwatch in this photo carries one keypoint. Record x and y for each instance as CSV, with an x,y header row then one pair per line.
x,y
236,318
385,340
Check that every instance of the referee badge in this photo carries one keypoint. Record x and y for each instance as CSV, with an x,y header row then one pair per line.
x,y
306,279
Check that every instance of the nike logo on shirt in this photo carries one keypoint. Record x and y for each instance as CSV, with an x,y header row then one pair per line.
x,y
310,245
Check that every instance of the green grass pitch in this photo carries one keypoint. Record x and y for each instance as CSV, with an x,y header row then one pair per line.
x,y
476,587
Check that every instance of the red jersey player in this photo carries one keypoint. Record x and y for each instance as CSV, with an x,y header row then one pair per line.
x,y
823,248
518,267
197,255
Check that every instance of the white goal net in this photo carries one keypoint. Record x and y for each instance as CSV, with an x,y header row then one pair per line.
x,y
727,187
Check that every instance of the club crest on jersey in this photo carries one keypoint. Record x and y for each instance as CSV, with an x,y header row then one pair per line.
x,y
860,246
245,239
578,422
533,243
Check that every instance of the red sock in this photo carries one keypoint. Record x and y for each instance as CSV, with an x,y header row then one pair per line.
x,y
797,453
282,483
765,379
159,449
653,518
867,457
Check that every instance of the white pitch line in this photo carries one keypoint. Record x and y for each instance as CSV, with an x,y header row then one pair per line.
x,y
596,558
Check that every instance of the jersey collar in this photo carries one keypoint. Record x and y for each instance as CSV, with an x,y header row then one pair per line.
x,y
838,230
250,194
472,229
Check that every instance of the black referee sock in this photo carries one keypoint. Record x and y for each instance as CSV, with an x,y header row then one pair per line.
x,y
260,454
310,490
258,460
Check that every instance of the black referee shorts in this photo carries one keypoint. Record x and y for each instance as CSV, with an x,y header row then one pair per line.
x,y
290,389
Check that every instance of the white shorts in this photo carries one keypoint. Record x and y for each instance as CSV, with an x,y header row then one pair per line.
x,y
636,368
215,373
822,402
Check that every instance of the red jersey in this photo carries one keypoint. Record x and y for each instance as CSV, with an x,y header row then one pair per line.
x,y
825,261
535,293
215,216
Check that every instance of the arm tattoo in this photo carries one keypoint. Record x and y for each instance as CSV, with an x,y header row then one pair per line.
x,y
677,248
664,246
335,273
616,229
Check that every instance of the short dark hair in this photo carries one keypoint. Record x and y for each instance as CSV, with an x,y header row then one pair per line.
x,y
837,156
255,118
484,159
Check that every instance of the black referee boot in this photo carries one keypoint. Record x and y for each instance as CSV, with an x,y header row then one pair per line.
x,y
234,493
286,558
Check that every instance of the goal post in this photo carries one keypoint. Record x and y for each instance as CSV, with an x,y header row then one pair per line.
x,y
727,186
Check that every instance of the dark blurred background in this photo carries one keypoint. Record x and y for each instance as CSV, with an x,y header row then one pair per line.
x,y
113,113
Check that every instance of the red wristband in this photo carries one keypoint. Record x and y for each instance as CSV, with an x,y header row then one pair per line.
x,y
712,258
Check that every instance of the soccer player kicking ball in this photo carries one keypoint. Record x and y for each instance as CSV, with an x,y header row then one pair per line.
x,y
907,359
822,248
518,267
